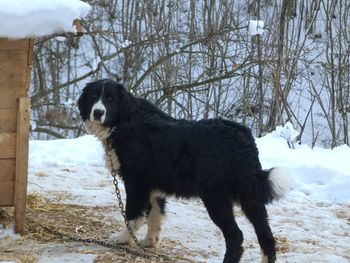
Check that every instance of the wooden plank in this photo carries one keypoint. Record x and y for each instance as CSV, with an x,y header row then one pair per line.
x,y
23,116
7,190
13,67
7,120
14,57
9,95
7,171
9,103
13,80
15,73
7,145
20,44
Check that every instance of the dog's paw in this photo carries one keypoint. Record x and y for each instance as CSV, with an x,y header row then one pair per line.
x,y
149,242
121,238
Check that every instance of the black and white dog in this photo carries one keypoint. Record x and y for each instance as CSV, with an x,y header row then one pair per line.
x,y
157,155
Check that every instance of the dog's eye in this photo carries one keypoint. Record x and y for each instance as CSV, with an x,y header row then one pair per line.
x,y
109,98
94,96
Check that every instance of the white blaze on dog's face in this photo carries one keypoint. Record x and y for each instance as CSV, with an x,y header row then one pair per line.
x,y
98,111
97,118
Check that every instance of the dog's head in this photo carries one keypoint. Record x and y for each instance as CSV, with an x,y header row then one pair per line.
x,y
103,104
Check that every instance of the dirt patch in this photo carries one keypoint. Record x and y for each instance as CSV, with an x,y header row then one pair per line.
x,y
343,213
282,245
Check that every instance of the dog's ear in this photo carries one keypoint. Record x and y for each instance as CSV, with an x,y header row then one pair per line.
x,y
82,102
127,104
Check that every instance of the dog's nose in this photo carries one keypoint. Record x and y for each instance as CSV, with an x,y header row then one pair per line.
x,y
98,114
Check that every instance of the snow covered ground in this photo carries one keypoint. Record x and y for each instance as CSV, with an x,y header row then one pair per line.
x,y
311,224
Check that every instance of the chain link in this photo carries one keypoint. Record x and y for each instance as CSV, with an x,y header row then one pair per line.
x,y
143,254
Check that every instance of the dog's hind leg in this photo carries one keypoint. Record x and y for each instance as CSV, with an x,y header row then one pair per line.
x,y
221,212
257,215
154,220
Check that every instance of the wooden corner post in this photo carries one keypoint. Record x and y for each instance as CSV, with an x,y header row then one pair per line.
x,y
23,116
15,72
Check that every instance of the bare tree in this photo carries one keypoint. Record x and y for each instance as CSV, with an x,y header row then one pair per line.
x,y
196,59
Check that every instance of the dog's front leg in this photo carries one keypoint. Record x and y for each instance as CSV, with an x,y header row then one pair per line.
x,y
136,205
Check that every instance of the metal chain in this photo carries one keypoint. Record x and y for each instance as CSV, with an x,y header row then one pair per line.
x,y
105,244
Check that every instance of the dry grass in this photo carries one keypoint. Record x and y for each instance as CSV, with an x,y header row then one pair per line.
x,y
282,245
75,220
6,215
343,213
28,257
84,222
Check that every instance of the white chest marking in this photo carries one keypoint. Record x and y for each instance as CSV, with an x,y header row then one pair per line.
x,y
112,161
102,133
95,128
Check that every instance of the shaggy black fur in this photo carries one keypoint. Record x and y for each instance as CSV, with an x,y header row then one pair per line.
x,y
215,160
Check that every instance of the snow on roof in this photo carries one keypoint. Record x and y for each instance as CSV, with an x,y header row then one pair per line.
x,y
33,18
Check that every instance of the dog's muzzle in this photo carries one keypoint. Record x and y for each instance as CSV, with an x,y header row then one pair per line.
x,y
98,114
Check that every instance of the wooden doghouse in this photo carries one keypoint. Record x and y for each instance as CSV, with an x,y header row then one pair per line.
x,y
15,71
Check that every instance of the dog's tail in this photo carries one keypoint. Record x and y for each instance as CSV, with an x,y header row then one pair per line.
x,y
268,185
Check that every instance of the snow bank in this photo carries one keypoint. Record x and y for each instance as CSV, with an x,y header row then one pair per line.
x,y
274,151
73,167
320,175
86,150
24,18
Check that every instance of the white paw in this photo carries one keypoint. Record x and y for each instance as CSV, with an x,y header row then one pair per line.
x,y
122,238
149,242
264,259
